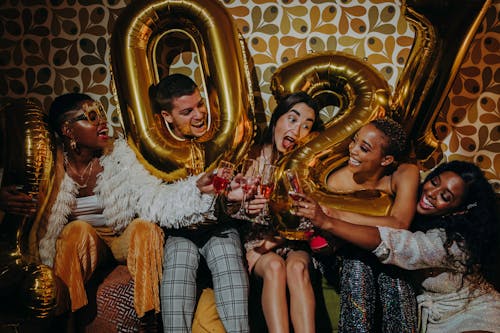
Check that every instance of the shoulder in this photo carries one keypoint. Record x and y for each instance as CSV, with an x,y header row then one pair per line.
x,y
406,180
407,168
336,176
407,172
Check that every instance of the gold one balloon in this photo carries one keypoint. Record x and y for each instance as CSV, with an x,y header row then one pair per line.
x,y
438,50
39,290
28,157
138,30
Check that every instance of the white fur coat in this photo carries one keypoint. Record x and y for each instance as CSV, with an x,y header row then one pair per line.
x,y
127,190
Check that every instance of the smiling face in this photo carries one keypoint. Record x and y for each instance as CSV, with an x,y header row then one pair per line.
x,y
293,126
188,117
366,150
88,129
441,194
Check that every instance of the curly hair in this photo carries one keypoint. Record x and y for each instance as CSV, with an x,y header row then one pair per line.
x,y
474,225
397,144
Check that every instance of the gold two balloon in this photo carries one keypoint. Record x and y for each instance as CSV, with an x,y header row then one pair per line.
x,y
138,34
361,94
28,157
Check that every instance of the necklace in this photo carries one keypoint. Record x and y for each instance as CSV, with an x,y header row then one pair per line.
x,y
85,174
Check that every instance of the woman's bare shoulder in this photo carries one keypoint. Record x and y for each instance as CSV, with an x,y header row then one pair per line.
x,y
407,169
337,177
407,173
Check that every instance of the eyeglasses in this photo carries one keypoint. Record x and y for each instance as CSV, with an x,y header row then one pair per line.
x,y
93,113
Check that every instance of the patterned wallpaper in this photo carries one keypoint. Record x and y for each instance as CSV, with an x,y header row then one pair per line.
x,y
51,47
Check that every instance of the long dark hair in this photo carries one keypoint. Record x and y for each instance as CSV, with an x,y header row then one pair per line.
x,y
474,225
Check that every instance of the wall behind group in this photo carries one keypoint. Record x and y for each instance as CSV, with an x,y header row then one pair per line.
x,y
51,47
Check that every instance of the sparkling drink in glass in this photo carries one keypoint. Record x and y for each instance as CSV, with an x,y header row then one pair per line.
x,y
267,181
221,180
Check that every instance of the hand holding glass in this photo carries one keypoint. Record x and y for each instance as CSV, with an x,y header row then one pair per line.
x,y
294,187
221,180
249,184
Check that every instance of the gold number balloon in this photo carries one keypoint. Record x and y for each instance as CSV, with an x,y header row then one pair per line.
x,y
137,32
438,49
28,157
361,93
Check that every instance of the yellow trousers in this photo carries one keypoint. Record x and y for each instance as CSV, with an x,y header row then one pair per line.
x,y
80,248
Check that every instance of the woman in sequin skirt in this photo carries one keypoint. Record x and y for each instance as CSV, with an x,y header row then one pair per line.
x,y
453,246
368,288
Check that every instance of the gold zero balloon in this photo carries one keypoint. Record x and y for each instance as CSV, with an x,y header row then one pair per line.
x,y
28,157
138,34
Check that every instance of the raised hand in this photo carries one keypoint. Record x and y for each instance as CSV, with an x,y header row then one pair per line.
x,y
13,201
205,183
307,207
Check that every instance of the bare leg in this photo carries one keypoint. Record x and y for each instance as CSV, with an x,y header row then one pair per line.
x,y
302,301
271,267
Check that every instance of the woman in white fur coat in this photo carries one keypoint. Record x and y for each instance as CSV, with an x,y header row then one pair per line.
x,y
105,202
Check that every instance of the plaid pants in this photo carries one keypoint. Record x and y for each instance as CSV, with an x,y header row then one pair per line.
x,y
224,258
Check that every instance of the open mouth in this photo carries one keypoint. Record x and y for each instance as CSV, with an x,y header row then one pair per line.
x,y
288,142
425,203
103,132
199,124
354,162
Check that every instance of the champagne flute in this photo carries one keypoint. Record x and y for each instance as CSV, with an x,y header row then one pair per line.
x,y
294,187
267,181
249,184
221,180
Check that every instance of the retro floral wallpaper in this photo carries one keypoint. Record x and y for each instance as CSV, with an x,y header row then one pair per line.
x,y
52,47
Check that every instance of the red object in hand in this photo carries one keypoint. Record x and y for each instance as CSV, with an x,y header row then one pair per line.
x,y
318,243
220,184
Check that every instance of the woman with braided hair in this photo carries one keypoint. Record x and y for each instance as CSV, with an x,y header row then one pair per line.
x,y
376,155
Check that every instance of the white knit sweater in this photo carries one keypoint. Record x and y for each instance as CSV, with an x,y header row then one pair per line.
x,y
127,190
449,303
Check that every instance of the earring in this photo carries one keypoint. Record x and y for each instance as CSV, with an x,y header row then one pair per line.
x,y
72,144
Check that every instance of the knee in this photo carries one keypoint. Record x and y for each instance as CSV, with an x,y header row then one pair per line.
x,y
356,269
180,250
141,228
297,271
77,230
275,269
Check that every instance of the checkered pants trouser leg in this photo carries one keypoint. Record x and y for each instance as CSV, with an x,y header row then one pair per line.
x,y
230,279
178,290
